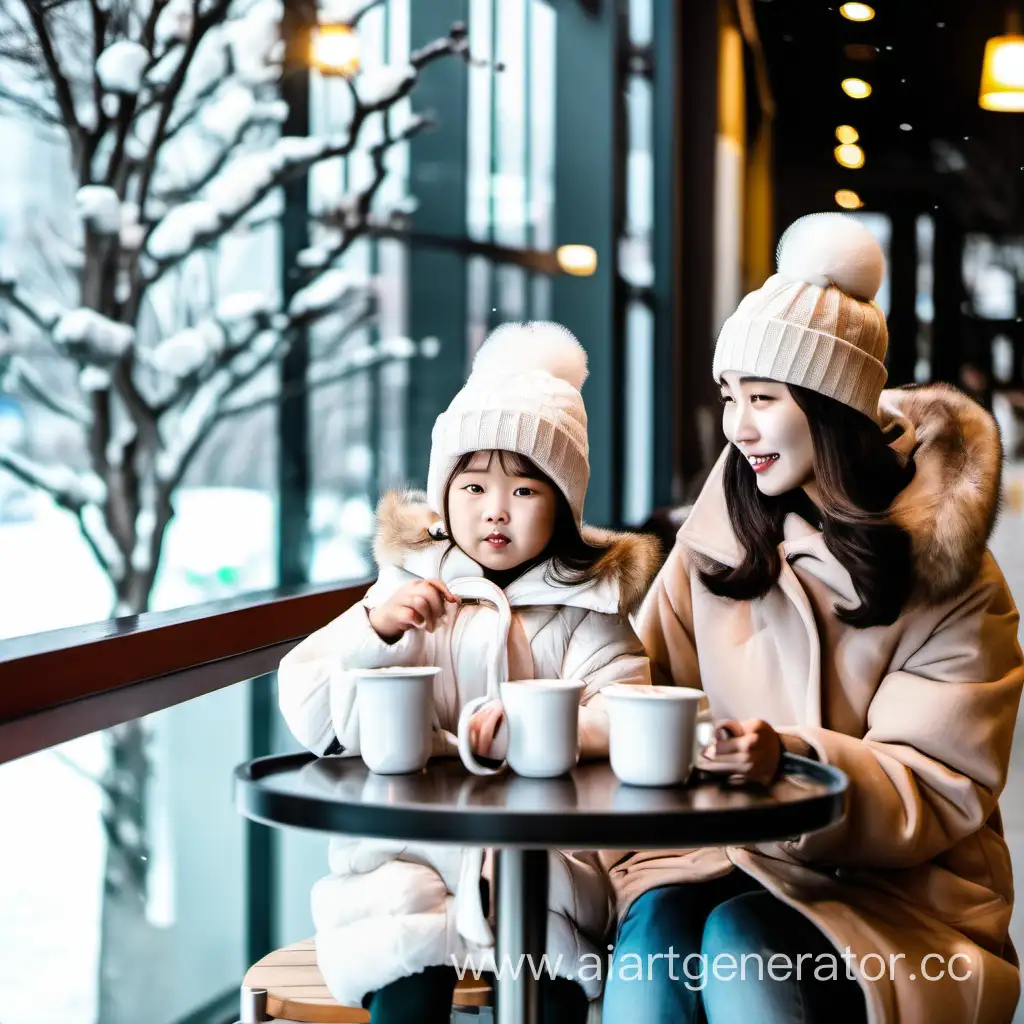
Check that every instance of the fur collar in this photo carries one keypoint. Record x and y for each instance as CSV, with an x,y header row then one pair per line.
x,y
951,505
406,523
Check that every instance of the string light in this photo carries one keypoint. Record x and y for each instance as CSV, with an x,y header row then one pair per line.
x,y
847,134
848,199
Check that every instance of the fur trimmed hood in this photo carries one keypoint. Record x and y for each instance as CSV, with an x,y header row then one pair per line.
x,y
406,526
951,505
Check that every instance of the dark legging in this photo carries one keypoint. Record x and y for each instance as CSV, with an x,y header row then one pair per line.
x,y
727,918
426,998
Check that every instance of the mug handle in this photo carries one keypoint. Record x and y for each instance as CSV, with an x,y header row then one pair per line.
x,y
465,752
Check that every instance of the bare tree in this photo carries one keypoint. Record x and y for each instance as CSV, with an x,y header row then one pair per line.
x,y
170,113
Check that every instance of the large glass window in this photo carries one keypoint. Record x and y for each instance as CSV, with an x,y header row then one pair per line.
x,y
360,373
511,158
138,290
636,267
124,895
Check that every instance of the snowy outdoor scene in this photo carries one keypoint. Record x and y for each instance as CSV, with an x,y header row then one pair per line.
x,y
144,317
248,252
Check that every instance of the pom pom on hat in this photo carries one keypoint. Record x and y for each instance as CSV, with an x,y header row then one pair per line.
x,y
814,323
537,345
830,248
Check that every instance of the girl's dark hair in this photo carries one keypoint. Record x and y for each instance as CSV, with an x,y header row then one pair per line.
x,y
573,559
858,476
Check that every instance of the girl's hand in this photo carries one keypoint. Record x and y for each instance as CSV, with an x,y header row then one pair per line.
x,y
483,726
750,750
418,605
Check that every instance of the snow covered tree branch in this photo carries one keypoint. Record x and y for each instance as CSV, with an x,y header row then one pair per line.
x,y
170,114
43,313
20,375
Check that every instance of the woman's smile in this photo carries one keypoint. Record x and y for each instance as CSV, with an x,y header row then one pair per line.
x,y
762,463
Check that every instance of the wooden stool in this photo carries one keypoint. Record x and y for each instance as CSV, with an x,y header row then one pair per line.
x,y
288,984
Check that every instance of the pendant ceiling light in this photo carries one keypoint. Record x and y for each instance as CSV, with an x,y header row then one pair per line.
x,y
1002,72
857,12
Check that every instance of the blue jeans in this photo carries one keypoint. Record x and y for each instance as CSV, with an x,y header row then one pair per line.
x,y
726,918
426,998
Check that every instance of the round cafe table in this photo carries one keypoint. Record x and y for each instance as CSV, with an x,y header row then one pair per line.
x,y
522,818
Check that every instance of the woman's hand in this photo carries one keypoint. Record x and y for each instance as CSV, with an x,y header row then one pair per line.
x,y
483,726
418,605
750,750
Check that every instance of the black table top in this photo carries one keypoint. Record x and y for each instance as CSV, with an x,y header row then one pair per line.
x,y
587,809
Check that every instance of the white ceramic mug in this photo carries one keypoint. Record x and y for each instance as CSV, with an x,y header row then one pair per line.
x,y
655,732
542,717
396,716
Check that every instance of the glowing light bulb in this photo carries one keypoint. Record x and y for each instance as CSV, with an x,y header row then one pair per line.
x,y
856,88
578,260
857,12
335,50
850,156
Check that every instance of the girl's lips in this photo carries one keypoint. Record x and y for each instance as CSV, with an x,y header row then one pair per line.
x,y
498,542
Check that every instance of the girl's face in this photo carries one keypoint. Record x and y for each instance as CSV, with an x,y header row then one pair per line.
x,y
761,418
500,521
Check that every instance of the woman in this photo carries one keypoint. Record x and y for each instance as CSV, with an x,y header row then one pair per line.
x,y
832,593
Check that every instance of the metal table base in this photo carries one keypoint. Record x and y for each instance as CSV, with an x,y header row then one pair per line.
x,y
522,924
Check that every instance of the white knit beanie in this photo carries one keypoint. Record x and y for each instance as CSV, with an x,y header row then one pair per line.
x,y
523,395
815,323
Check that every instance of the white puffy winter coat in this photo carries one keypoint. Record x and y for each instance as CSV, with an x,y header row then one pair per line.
x,y
389,909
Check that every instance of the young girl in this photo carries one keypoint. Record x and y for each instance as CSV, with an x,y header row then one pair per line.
x,y
832,593
507,479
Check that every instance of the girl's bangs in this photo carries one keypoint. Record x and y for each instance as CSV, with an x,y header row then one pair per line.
x,y
514,464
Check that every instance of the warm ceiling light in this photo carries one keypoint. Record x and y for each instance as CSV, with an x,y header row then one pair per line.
x,y
857,12
857,88
335,50
1002,72
848,199
578,260
850,156
847,134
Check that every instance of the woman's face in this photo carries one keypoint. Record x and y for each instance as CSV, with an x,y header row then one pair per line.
x,y
761,418
500,521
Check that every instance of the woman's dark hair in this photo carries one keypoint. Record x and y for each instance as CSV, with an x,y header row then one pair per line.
x,y
858,476
573,559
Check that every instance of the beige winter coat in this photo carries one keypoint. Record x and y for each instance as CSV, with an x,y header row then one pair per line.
x,y
919,714
389,909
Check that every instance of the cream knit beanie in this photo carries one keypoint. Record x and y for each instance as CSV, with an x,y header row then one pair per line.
x,y
523,395
815,322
